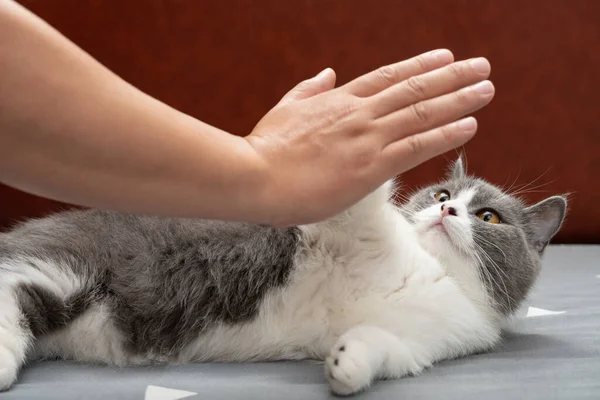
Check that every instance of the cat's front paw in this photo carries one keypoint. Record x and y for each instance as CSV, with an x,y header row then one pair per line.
x,y
349,368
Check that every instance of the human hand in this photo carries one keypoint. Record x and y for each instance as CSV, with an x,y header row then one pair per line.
x,y
323,149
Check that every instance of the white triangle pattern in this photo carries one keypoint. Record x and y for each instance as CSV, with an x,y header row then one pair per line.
x,y
540,312
162,393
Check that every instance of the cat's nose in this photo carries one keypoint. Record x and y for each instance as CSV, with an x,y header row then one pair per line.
x,y
448,211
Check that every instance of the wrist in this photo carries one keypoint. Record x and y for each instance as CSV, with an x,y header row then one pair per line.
x,y
239,179
257,188
253,186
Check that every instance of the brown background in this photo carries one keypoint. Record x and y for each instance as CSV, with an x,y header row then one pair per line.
x,y
227,62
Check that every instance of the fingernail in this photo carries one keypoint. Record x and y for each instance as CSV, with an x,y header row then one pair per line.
x,y
480,65
467,125
483,88
443,56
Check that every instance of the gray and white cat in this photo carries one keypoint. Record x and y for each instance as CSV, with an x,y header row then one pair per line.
x,y
379,291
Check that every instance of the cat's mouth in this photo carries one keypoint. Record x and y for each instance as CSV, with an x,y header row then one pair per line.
x,y
442,229
436,225
439,228
449,233
439,225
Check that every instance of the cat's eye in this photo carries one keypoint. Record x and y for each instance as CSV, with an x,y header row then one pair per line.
x,y
489,216
442,196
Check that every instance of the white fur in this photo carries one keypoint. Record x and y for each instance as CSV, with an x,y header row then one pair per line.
x,y
92,337
371,294
368,283
14,343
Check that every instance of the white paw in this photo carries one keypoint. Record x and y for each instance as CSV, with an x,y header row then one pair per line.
x,y
349,367
8,368
8,376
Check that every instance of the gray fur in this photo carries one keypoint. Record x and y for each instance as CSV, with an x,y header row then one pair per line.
x,y
44,312
511,251
166,280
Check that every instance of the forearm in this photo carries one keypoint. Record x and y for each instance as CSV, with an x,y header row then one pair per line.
x,y
73,131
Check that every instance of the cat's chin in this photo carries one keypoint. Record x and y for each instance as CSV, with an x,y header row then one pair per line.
x,y
438,239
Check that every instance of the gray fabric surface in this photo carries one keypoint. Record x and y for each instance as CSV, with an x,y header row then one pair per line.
x,y
550,357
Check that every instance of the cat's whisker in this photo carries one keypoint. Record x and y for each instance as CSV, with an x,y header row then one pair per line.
x,y
533,189
520,195
504,273
401,197
500,272
530,186
398,192
537,178
484,274
492,281
480,237
503,186
515,181
527,185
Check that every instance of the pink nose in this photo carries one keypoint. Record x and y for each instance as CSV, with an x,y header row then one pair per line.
x,y
448,211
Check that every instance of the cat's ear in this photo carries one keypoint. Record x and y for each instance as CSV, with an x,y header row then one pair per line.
x,y
544,220
457,169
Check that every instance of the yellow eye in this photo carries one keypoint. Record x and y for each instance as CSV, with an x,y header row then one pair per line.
x,y
489,216
442,196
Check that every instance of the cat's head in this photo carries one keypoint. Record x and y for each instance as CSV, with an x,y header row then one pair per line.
x,y
484,235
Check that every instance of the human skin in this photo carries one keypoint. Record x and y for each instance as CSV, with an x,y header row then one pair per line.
x,y
71,130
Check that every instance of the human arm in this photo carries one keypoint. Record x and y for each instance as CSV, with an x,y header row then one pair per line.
x,y
72,130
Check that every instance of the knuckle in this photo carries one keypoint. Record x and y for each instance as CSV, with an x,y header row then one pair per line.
x,y
461,96
457,69
349,107
415,144
303,85
362,158
421,63
388,74
416,85
362,125
420,111
447,132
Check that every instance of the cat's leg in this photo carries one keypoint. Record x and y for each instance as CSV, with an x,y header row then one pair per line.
x,y
410,334
32,304
366,353
15,338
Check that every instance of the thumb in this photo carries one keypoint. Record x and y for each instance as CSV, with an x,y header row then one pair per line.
x,y
323,82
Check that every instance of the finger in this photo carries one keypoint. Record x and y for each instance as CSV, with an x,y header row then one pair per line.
x,y
431,84
435,112
323,82
389,75
407,153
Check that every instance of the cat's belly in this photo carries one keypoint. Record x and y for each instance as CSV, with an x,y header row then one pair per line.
x,y
301,321
306,318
